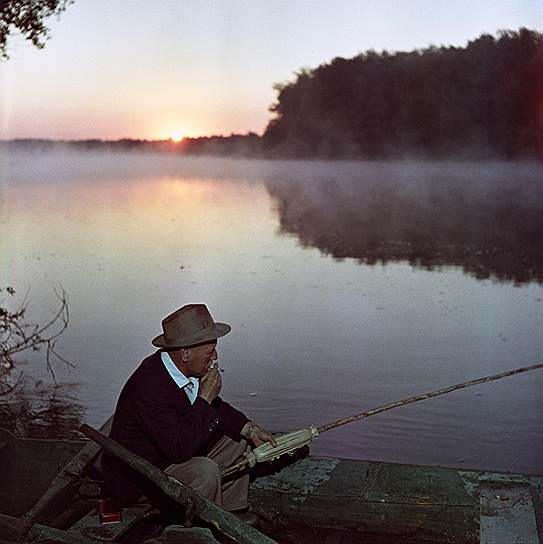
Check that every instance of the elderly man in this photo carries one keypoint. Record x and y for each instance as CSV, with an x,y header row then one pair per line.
x,y
170,413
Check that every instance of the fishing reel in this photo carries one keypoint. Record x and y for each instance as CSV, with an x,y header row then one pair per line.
x,y
286,444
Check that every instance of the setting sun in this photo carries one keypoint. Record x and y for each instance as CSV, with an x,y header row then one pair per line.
x,y
177,135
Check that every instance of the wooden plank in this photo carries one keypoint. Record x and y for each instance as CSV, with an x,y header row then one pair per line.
x,y
175,534
90,526
422,523
27,467
431,505
5,438
441,504
63,486
507,513
372,481
11,526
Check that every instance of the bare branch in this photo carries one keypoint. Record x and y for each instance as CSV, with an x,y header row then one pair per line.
x,y
17,335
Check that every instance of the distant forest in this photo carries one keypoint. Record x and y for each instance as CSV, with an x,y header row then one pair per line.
x,y
482,101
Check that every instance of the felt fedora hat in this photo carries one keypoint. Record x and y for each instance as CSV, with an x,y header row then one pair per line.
x,y
191,324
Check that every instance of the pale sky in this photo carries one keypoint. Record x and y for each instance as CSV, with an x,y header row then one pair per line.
x,y
140,69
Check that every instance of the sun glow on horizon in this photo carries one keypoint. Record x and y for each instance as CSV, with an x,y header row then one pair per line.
x,y
177,135
177,132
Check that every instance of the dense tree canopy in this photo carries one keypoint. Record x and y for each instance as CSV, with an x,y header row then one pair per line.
x,y
27,18
483,100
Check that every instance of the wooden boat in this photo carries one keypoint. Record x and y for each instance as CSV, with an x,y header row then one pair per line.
x,y
312,500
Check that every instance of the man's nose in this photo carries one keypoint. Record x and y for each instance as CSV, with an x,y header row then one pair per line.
x,y
214,355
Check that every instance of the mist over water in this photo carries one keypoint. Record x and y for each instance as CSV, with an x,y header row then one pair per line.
x,y
485,218
348,285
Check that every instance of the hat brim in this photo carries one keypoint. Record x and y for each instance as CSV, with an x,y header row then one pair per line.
x,y
220,329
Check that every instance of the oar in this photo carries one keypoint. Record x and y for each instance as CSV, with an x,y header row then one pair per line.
x,y
205,509
290,442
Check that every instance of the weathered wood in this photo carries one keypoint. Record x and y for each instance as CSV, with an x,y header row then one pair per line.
x,y
382,502
90,526
27,468
175,534
5,438
432,524
205,509
427,504
11,526
507,514
63,485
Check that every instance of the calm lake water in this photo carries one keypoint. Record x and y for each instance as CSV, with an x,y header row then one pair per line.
x,y
347,284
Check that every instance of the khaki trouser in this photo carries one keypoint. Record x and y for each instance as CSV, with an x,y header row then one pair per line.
x,y
203,474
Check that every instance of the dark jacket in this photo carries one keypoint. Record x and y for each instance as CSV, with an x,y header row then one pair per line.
x,y
155,419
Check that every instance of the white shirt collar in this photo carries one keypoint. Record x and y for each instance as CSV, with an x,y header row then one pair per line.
x,y
179,378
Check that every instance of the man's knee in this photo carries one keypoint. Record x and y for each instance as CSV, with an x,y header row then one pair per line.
x,y
206,475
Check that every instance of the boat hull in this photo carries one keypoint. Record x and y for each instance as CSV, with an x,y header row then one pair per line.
x,y
386,502
397,501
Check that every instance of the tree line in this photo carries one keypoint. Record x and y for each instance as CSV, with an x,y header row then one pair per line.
x,y
480,101
483,100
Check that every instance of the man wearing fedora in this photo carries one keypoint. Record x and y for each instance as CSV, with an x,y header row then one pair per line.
x,y
169,412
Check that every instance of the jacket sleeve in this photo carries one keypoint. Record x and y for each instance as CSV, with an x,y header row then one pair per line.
x,y
231,420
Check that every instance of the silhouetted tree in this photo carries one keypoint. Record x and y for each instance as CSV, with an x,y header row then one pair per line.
x,y
482,100
27,18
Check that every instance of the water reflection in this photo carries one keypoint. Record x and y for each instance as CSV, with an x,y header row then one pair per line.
x,y
133,238
488,222
36,410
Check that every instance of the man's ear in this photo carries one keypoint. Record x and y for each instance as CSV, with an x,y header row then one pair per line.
x,y
185,354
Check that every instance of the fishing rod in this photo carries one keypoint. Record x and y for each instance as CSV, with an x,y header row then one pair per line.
x,y
290,442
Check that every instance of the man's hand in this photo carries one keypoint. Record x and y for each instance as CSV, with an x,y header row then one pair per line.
x,y
210,385
257,435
